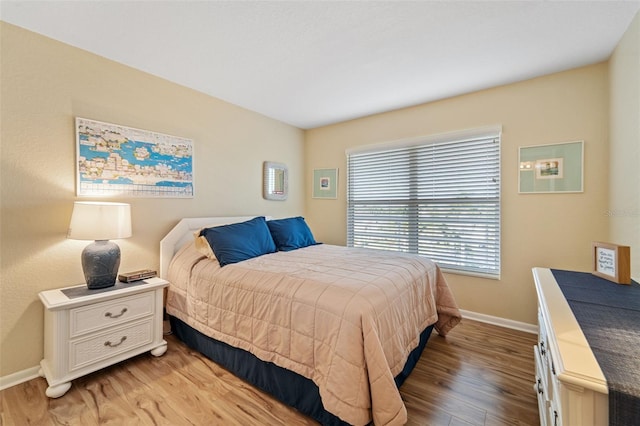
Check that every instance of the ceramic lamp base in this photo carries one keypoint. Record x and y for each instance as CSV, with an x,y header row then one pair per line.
x,y
100,263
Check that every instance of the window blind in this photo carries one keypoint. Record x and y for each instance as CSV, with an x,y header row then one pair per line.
x,y
439,199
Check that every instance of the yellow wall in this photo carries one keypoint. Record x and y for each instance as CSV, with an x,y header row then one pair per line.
x,y
45,84
549,230
624,179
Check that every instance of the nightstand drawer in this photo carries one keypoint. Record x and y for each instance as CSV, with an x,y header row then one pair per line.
x,y
106,314
83,352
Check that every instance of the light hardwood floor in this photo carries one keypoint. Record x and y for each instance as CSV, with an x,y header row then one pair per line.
x,y
478,375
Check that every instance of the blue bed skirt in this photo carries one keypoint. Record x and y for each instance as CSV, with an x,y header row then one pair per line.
x,y
289,387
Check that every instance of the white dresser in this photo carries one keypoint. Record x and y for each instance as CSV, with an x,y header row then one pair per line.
x,y
88,330
572,391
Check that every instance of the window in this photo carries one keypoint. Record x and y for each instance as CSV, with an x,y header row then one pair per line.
x,y
434,196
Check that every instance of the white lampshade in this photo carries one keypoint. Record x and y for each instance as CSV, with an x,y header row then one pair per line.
x,y
96,220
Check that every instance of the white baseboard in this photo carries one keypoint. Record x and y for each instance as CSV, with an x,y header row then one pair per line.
x,y
502,322
19,377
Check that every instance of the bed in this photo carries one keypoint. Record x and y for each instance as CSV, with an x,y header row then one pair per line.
x,y
332,331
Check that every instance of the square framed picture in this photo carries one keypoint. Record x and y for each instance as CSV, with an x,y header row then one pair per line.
x,y
325,183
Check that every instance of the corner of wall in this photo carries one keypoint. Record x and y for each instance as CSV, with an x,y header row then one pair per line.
x,y
624,144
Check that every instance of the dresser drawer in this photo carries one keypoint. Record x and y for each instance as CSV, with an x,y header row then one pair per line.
x,y
543,341
555,418
105,345
95,317
541,388
554,387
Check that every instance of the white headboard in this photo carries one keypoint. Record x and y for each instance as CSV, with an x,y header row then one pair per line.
x,y
182,233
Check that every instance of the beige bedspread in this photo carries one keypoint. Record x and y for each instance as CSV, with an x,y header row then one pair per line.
x,y
345,318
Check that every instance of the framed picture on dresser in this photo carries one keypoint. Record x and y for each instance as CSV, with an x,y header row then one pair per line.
x,y
612,262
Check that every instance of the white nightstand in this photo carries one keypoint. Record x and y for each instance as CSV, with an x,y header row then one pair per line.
x,y
87,330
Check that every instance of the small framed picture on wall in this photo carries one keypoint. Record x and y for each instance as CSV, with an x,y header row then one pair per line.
x,y
553,168
325,183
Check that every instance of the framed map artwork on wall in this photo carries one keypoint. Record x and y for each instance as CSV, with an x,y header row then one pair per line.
x,y
117,160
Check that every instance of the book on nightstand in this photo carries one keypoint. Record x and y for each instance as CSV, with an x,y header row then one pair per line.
x,y
143,274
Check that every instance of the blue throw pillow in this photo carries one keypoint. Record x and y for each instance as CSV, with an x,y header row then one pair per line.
x,y
291,233
240,241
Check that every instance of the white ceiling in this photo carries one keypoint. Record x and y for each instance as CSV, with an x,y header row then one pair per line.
x,y
312,63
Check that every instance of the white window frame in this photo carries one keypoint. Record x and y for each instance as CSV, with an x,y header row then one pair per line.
x,y
406,216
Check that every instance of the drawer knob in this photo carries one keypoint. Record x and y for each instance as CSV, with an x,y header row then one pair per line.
x,y
110,315
540,390
115,345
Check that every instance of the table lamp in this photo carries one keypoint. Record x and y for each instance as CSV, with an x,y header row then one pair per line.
x,y
101,222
